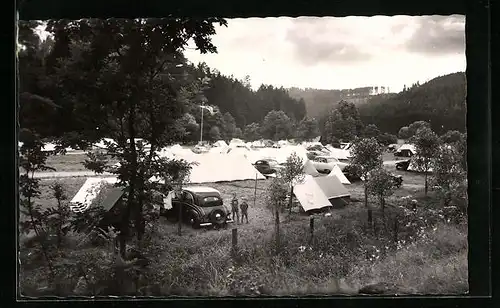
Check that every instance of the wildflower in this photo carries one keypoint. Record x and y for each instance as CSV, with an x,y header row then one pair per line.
x,y
302,248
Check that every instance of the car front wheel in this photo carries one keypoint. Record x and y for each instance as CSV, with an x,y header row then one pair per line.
x,y
193,221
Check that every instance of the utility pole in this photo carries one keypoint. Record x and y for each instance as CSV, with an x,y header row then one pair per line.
x,y
201,126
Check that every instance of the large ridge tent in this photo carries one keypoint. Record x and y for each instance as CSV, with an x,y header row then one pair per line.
x,y
220,143
213,167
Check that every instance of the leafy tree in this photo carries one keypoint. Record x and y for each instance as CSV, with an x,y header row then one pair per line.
x,y
380,184
404,133
426,142
371,131
417,125
451,137
215,133
276,126
367,156
251,132
387,139
125,76
307,129
343,122
229,126
292,174
276,198
448,173
188,128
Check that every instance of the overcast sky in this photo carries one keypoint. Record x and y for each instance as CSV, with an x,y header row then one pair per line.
x,y
338,53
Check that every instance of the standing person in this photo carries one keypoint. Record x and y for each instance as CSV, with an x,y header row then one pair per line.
x,y
244,209
235,209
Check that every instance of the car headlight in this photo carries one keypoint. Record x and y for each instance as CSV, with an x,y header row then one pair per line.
x,y
217,215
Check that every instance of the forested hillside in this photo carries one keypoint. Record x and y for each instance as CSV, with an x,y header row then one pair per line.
x,y
319,101
441,102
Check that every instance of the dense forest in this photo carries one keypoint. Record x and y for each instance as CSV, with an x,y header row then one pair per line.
x,y
440,102
319,101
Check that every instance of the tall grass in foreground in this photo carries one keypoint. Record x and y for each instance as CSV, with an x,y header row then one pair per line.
x,y
430,257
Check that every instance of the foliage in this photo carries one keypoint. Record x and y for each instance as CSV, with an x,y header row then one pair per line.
x,y
426,143
404,132
276,126
451,137
367,156
386,139
292,173
448,173
371,131
307,129
440,101
215,133
380,184
343,123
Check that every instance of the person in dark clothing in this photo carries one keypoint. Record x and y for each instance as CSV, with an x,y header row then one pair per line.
x,y
244,209
235,209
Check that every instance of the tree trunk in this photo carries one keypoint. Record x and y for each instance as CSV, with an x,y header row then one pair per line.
x,y
124,232
382,205
277,229
290,201
426,187
366,194
179,222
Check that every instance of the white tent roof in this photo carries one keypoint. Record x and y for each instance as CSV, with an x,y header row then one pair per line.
x,y
213,167
88,192
220,143
310,194
409,147
236,141
336,172
258,144
332,187
338,153
49,146
310,169
413,167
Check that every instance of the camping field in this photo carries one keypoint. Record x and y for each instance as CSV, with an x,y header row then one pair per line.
x,y
344,255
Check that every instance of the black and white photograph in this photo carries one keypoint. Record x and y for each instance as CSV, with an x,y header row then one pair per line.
x,y
230,157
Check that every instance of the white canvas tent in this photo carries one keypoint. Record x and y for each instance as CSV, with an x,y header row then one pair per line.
x,y
48,147
407,147
310,194
213,167
336,172
258,144
338,153
88,192
332,188
413,166
220,143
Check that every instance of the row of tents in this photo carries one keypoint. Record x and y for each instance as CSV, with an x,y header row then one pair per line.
x,y
235,164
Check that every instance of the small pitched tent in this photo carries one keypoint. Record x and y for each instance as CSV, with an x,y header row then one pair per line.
x,y
310,194
309,169
339,154
88,192
333,189
336,172
406,150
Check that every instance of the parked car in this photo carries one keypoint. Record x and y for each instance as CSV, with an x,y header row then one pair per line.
x,y
267,166
200,206
403,165
325,164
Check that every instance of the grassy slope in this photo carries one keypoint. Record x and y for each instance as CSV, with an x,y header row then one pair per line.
x,y
199,261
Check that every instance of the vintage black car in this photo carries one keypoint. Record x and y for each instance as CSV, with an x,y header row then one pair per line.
x,y
403,165
200,206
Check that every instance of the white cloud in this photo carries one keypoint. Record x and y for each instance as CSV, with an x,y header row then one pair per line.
x,y
338,53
